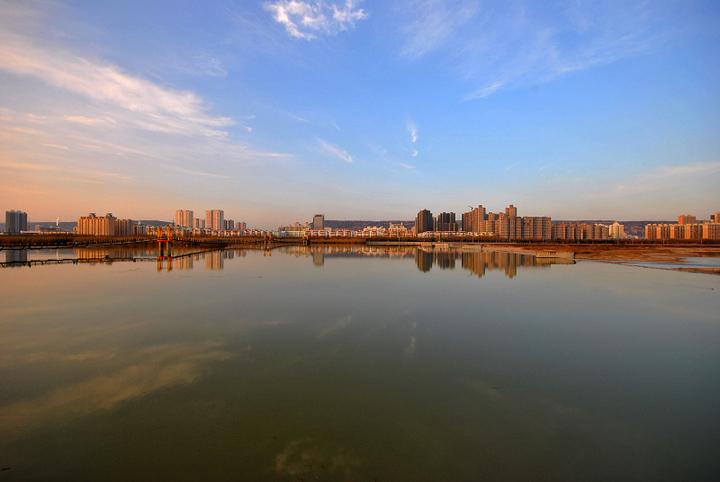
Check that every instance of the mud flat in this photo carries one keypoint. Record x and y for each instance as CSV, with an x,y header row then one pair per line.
x,y
624,253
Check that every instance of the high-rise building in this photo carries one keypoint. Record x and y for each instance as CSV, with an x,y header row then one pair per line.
x,y
711,230
472,220
424,222
184,218
509,226
15,222
687,219
229,225
467,222
215,219
319,221
241,226
616,230
107,225
198,223
446,222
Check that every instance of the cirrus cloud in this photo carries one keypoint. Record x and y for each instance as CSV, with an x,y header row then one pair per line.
x,y
336,151
154,107
307,19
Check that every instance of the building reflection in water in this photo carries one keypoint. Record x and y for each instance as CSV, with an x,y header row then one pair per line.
x,y
98,255
16,257
183,262
424,260
445,259
214,260
478,262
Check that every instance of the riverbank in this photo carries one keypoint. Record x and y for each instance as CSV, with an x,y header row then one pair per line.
x,y
623,253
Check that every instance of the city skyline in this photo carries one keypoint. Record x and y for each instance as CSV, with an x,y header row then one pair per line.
x,y
178,219
276,110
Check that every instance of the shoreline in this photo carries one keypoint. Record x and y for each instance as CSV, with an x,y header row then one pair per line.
x,y
618,253
627,254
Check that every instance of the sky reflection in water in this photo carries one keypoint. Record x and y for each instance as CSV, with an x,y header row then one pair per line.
x,y
354,365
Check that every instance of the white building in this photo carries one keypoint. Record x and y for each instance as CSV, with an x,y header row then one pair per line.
x,y
184,218
215,219
616,231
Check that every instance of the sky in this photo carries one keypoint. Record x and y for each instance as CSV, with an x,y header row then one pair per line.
x,y
274,111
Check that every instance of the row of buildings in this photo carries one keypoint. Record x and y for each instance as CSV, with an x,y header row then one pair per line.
x,y
107,225
318,223
508,225
214,221
299,230
688,227
476,222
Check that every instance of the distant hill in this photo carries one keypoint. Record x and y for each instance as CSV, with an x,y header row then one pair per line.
x,y
153,222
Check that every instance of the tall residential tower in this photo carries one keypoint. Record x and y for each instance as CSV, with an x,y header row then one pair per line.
x,y
215,219
424,222
15,222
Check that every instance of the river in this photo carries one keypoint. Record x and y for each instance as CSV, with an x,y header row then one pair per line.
x,y
356,363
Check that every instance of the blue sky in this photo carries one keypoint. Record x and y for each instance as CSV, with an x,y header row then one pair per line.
x,y
276,110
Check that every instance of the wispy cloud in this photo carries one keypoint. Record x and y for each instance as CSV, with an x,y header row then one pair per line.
x,y
383,154
668,177
154,107
86,181
305,20
412,129
79,119
485,90
86,117
336,151
58,169
433,23
673,172
25,130
56,146
400,164
202,64
508,45
194,172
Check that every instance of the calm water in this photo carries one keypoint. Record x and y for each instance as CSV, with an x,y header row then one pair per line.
x,y
391,366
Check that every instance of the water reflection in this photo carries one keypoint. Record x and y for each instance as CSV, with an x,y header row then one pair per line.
x,y
376,366
125,375
478,262
509,263
473,259
15,257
